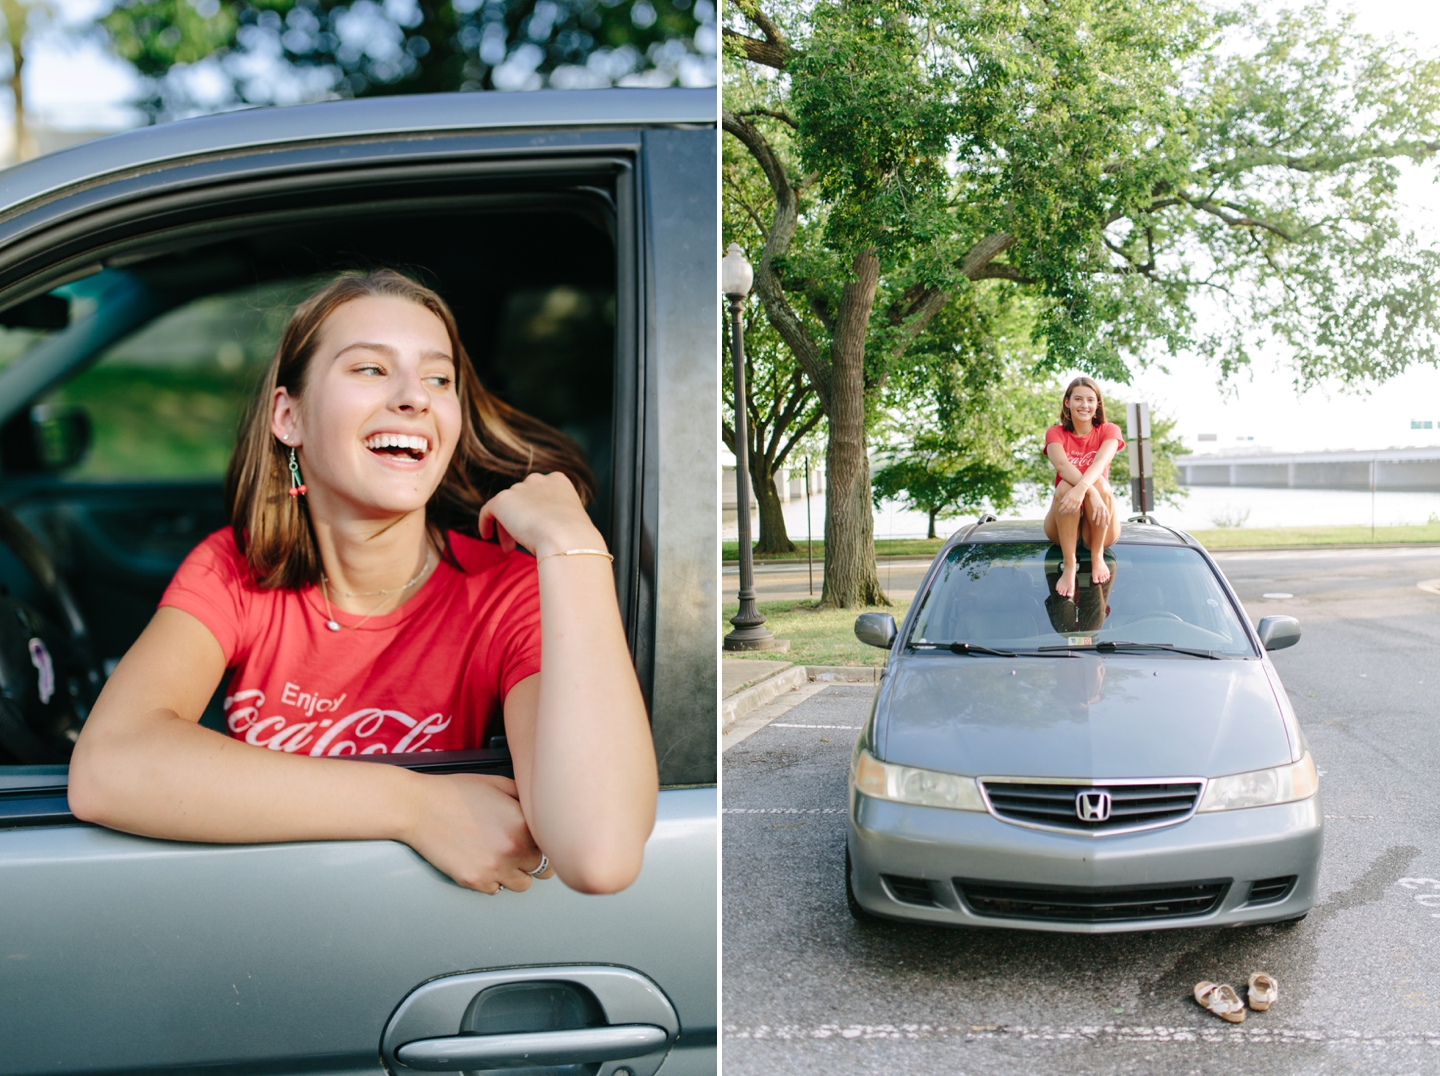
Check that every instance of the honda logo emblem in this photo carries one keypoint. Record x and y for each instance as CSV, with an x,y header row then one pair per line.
x,y
1092,806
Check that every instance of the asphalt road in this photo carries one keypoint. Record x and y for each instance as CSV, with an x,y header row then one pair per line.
x,y
808,990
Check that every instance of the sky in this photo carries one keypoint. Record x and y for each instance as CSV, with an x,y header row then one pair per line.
x,y
73,84
1263,410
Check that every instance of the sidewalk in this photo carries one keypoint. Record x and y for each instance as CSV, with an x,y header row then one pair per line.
x,y
757,692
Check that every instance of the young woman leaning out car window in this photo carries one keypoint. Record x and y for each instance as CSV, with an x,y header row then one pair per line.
x,y
370,597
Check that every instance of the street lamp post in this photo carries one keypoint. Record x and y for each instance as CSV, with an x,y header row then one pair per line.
x,y
750,632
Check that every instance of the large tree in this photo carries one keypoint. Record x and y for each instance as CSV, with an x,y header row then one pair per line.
x,y
1119,160
199,54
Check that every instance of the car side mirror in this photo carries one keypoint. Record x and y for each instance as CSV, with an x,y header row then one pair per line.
x,y
62,436
875,629
1278,632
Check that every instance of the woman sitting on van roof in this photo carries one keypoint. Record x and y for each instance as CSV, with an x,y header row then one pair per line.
x,y
1081,447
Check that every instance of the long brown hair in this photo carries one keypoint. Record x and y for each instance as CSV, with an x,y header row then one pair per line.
x,y
1081,382
498,445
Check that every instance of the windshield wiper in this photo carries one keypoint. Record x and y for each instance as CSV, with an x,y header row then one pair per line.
x,y
1109,647
976,648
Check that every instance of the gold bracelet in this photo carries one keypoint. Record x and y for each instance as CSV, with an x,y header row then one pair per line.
x,y
577,553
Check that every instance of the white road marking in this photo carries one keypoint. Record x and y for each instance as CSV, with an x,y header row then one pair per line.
x,y
778,725
1253,1034
782,810
1432,585
758,719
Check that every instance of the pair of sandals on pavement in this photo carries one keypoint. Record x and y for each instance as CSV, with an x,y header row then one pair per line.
x,y
1221,999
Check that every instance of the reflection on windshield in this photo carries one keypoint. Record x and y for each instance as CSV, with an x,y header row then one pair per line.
x,y
1003,595
1085,612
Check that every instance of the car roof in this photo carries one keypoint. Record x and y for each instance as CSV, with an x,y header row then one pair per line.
x,y
1033,530
399,114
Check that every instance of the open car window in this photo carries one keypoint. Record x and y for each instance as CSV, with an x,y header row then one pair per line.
x,y
116,466
1003,595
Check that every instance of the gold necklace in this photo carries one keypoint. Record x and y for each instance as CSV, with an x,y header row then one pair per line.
x,y
335,625
372,593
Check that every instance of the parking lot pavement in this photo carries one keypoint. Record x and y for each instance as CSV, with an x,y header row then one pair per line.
x,y
790,580
808,990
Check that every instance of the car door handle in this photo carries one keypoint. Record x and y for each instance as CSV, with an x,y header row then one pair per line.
x,y
579,1046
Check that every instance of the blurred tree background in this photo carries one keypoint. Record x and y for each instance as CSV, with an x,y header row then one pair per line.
x,y
204,55
1160,179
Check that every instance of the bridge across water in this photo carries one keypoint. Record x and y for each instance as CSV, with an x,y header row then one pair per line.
x,y
1414,470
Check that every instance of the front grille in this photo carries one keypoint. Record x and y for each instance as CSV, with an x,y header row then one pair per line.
x,y
1271,890
1092,904
909,890
1132,806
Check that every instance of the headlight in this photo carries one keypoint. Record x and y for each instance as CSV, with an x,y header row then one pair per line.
x,y
1261,788
908,784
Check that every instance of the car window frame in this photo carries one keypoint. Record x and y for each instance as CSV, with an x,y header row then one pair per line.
x,y
211,188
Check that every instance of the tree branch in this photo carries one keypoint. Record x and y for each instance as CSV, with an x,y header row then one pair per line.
x,y
926,302
774,114
774,51
1215,210
984,252
1001,271
1319,162
782,230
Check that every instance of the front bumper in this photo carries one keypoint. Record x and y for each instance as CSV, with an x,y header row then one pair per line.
x,y
942,845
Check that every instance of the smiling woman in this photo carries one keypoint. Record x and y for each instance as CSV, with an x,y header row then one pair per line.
x,y
370,597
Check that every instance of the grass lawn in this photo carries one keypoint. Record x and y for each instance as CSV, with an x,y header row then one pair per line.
x,y
1221,538
884,547
817,636
1259,537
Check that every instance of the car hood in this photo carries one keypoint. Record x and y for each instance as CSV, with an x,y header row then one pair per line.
x,y
1088,716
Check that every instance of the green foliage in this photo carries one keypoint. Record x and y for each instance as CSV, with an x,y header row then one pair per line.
x,y
353,48
817,636
1171,179
159,421
968,413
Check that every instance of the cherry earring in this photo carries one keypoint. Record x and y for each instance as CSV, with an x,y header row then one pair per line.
x,y
297,487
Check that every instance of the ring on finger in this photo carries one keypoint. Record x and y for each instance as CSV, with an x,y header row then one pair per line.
x,y
544,866
499,888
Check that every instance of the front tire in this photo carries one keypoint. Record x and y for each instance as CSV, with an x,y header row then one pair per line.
x,y
856,910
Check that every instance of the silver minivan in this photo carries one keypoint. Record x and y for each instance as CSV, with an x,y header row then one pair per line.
x,y
1123,758
143,281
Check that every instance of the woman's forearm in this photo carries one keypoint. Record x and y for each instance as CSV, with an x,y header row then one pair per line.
x,y
160,775
589,795
144,764
1098,466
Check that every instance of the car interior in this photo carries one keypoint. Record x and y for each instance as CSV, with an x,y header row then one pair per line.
x,y
990,593
120,393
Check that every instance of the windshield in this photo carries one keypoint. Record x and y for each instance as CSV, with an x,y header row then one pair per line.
x,y
1003,595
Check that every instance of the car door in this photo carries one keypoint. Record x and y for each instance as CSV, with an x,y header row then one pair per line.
x,y
119,953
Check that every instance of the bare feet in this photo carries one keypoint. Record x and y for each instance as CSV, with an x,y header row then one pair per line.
x,y
1099,570
1066,585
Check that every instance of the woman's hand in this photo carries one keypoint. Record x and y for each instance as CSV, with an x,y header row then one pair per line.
x,y
543,514
470,826
1098,510
1072,500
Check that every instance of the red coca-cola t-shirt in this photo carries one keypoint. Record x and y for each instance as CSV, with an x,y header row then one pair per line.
x,y
1081,450
430,676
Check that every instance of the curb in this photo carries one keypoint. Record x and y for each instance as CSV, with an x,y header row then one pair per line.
x,y
758,694
845,674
